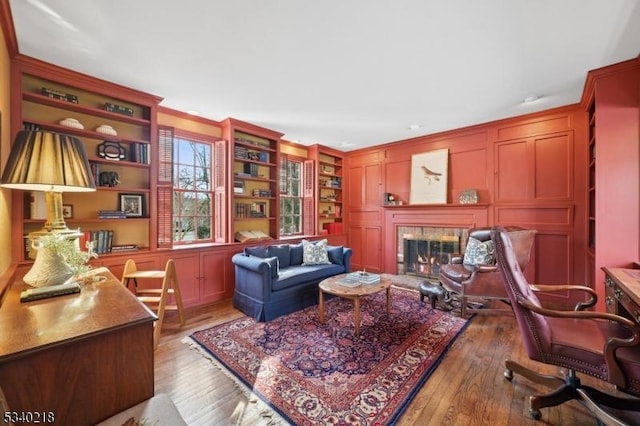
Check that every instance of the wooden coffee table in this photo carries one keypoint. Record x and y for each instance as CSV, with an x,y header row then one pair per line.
x,y
332,286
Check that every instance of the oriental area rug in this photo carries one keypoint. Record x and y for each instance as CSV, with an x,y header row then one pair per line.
x,y
318,374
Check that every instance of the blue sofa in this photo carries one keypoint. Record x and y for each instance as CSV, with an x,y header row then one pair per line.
x,y
273,280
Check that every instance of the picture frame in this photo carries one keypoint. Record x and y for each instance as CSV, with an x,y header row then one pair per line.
x,y
429,172
67,211
132,204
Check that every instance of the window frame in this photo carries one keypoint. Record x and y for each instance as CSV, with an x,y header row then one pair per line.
x,y
194,137
284,196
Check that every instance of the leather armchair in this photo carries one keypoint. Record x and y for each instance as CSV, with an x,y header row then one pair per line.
x,y
598,344
484,281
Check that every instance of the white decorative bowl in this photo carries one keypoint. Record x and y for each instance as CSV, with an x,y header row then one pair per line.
x,y
107,130
71,122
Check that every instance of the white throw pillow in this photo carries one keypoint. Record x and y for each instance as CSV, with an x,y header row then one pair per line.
x,y
315,253
478,253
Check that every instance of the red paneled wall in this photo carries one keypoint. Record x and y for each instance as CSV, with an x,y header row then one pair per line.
x,y
616,94
525,169
529,171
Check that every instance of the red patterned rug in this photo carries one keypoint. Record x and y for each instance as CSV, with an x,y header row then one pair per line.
x,y
314,373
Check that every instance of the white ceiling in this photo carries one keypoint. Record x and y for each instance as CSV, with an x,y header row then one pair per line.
x,y
344,73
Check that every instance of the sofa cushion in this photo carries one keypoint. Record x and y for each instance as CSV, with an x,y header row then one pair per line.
x,y
296,254
260,251
295,275
335,255
315,252
282,252
478,253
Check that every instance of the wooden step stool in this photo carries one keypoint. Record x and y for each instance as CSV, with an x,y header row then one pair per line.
x,y
156,298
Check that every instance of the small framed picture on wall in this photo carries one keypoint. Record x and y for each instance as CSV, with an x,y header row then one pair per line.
x,y
67,211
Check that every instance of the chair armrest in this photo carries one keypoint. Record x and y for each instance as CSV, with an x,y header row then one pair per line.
x,y
616,376
593,296
580,315
456,259
486,268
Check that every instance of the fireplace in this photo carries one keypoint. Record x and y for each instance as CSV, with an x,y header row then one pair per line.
x,y
432,222
421,250
423,255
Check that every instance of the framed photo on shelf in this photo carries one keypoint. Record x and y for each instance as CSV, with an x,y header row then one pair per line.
x,y
67,211
238,187
131,204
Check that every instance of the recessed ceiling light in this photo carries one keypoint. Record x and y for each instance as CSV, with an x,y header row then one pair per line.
x,y
531,99
414,126
193,112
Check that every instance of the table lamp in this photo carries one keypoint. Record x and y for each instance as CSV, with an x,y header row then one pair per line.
x,y
54,163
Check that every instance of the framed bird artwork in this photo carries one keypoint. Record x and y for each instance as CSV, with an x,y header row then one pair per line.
x,y
429,177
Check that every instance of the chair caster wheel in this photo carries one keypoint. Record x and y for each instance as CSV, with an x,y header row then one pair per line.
x,y
508,374
535,414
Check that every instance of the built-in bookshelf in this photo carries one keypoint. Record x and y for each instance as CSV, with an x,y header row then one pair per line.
x,y
253,177
117,127
329,189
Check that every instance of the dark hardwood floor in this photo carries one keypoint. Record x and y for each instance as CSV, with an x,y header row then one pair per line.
x,y
467,388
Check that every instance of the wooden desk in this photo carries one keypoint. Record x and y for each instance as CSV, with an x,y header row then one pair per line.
x,y
77,359
623,292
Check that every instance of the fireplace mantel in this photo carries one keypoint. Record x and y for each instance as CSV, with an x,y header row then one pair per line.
x,y
434,206
430,215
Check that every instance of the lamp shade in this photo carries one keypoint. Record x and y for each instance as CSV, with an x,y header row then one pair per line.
x,y
47,161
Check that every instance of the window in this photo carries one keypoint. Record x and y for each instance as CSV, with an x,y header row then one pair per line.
x,y
290,196
192,190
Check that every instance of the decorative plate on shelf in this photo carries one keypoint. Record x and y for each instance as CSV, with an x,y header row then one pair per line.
x,y
107,130
71,122
111,150
469,196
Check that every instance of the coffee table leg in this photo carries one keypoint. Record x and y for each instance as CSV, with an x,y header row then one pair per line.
x,y
321,307
388,299
356,314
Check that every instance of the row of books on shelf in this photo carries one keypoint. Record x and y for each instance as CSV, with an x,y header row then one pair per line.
x,y
111,214
59,95
102,240
262,192
239,188
30,126
249,210
333,210
120,109
139,152
331,183
243,153
251,169
251,142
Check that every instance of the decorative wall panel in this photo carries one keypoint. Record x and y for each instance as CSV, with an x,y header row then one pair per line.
x,y
554,167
